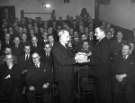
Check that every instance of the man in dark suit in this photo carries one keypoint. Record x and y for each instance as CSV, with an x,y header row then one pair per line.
x,y
46,56
63,67
10,81
7,40
123,76
100,58
17,47
38,81
35,45
25,59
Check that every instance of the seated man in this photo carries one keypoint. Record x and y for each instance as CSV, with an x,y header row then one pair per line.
x,y
47,56
38,80
10,81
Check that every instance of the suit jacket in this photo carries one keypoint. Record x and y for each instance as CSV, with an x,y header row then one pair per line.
x,y
116,46
15,73
101,57
25,63
121,65
11,88
37,49
63,61
47,60
37,76
17,51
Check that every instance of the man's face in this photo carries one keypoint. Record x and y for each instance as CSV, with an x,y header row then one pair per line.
x,y
65,37
83,37
27,49
125,50
17,40
47,48
35,58
7,36
34,40
85,45
8,51
109,35
9,59
119,35
24,36
98,33
51,39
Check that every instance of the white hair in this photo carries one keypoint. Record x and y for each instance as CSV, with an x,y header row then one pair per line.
x,y
62,32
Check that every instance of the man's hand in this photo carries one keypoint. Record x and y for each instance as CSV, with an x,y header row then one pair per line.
x,y
8,76
45,85
120,77
31,88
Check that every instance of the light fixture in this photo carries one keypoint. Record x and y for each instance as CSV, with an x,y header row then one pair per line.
x,y
46,5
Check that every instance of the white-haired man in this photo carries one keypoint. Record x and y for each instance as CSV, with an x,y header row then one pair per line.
x,y
63,66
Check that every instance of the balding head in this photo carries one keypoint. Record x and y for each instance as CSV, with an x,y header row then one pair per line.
x,y
35,58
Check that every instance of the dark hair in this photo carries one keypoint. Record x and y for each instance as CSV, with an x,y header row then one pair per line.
x,y
102,29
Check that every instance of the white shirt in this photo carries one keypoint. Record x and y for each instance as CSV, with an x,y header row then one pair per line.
x,y
27,56
37,65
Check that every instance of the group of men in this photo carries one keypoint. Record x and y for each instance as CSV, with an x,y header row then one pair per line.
x,y
114,74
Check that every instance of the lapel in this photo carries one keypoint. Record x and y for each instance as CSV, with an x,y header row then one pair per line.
x,y
65,50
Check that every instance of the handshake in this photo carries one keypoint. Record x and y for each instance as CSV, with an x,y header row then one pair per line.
x,y
81,57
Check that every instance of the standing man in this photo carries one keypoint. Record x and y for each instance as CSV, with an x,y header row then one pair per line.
x,y
123,76
63,66
100,58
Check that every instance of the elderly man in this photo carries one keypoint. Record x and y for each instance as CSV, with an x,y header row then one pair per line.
x,y
63,66
63,60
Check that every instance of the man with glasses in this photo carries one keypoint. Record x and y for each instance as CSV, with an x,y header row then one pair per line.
x,y
38,81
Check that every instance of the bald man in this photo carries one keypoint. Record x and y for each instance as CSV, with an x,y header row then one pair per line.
x,y
37,76
63,66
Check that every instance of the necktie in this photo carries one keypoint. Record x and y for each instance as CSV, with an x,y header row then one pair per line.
x,y
26,56
36,65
